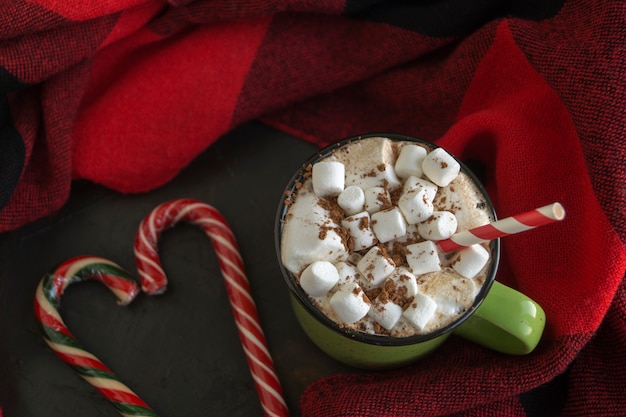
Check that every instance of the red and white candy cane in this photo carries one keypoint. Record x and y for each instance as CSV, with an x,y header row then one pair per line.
x,y
66,346
505,227
154,281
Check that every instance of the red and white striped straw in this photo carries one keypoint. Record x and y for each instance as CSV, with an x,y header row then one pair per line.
x,y
154,281
508,226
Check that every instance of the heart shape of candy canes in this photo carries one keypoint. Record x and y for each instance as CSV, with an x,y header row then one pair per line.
x,y
154,280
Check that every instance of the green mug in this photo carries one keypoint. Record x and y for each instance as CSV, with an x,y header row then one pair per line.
x,y
500,318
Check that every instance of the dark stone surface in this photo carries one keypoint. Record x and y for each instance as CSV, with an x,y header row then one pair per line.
x,y
179,351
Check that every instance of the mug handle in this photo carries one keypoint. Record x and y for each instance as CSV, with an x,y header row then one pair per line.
x,y
507,321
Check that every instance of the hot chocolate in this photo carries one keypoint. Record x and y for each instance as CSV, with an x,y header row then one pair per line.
x,y
360,234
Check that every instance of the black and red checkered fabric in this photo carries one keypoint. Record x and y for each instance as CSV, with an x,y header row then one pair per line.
x,y
530,93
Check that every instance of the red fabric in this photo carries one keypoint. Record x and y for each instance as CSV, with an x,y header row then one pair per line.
x,y
125,94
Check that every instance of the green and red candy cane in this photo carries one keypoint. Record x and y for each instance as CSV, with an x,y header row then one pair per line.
x,y
154,281
67,347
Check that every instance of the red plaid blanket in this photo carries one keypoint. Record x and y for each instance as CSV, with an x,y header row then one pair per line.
x,y
125,93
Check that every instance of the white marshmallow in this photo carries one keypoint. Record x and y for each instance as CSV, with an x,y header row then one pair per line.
x,y
328,178
375,266
318,278
440,167
414,182
376,198
369,163
403,277
447,306
409,161
421,311
411,235
301,244
360,228
469,261
354,258
415,205
423,257
347,272
351,200
452,292
441,225
350,303
388,224
385,313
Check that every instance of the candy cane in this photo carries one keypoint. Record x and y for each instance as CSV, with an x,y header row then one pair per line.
x,y
66,346
505,227
154,281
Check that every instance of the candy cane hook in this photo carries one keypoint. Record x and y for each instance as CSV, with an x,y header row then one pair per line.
x,y
154,281
66,346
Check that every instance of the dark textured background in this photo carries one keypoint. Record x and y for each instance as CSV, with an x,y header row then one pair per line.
x,y
179,351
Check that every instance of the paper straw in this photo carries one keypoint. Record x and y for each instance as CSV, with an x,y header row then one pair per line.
x,y
154,281
508,226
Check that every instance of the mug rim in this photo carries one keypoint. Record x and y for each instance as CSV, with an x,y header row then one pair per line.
x,y
377,339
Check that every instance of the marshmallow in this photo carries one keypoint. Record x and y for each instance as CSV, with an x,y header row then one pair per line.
x,y
359,227
411,236
421,310
409,161
354,258
301,243
328,178
369,163
404,281
388,224
453,293
375,266
440,167
351,200
319,278
376,198
350,303
441,225
415,182
386,313
347,272
423,257
469,261
415,205
447,306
